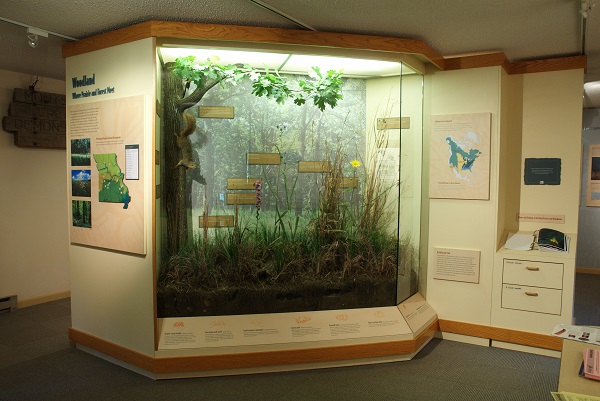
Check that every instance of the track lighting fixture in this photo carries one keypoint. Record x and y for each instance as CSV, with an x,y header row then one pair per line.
x,y
32,36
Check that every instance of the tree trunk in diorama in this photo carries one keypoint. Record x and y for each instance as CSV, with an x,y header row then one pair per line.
x,y
178,155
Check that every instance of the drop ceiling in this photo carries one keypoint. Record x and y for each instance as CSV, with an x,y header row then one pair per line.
x,y
521,29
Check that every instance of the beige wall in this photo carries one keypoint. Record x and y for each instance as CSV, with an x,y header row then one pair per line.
x,y
113,292
34,260
465,224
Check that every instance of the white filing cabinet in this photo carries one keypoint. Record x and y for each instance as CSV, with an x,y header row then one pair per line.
x,y
533,290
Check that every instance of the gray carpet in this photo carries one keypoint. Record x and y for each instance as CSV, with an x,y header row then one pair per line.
x,y
37,364
587,300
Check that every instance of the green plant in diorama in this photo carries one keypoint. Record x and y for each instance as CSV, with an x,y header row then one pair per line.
x,y
180,159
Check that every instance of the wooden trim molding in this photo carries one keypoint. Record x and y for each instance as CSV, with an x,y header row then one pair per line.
x,y
188,30
43,299
502,334
252,359
587,270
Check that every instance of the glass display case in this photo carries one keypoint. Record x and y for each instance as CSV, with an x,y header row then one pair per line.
x,y
288,182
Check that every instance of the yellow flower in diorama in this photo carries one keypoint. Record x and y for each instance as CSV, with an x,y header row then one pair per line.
x,y
355,163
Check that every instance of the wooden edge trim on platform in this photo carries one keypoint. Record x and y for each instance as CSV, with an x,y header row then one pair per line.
x,y
502,334
113,350
252,359
587,270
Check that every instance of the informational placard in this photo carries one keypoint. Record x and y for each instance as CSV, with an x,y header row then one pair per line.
x,y
460,156
456,265
593,184
281,328
107,137
544,171
417,312
132,162
541,218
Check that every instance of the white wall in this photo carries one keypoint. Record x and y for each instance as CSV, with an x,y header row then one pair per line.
x,y
34,260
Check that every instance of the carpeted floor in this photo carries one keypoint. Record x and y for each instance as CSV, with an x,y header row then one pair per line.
x,y
37,364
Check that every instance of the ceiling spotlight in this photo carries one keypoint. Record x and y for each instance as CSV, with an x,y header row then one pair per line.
x,y
32,40
32,36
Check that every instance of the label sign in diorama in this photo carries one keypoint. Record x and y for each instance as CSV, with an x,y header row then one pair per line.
x,y
456,265
544,171
281,328
37,119
460,156
393,123
593,183
107,197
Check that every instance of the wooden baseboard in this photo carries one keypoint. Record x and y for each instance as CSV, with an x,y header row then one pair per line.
x,y
43,299
252,359
587,270
502,334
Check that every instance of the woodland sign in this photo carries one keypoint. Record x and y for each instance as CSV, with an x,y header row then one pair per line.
x,y
37,119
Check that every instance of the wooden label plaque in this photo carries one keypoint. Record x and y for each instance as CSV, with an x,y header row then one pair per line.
x,y
241,183
393,123
215,112
216,221
264,158
349,182
241,199
314,167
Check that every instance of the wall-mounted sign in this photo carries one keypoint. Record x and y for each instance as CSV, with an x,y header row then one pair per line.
x,y
459,166
37,119
544,171
456,265
593,183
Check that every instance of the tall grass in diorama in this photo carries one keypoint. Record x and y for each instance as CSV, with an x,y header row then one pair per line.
x,y
347,238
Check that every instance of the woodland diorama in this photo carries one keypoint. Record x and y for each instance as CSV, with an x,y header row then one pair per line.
x,y
277,194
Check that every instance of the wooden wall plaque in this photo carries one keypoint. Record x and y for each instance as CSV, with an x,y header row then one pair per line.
x,y
263,158
241,183
37,119
216,221
314,167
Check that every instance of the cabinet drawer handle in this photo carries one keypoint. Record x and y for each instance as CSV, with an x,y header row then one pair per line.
x,y
533,268
531,294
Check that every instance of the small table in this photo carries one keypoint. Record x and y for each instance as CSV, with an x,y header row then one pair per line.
x,y
570,362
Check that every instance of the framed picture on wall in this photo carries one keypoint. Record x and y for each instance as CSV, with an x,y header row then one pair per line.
x,y
593,184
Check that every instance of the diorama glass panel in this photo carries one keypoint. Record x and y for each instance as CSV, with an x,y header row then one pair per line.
x,y
280,202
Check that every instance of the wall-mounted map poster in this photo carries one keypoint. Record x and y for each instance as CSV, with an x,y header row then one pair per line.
x,y
593,188
107,198
459,164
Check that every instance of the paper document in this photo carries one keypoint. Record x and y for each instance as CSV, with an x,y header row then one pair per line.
x,y
566,396
520,242
591,363
584,334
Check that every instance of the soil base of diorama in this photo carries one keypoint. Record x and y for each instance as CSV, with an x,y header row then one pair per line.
x,y
311,296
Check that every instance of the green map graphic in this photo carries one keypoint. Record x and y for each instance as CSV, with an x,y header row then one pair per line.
x,y
462,155
111,186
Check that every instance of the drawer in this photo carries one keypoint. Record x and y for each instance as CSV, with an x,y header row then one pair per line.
x,y
532,299
532,273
